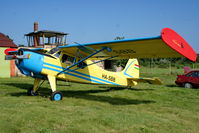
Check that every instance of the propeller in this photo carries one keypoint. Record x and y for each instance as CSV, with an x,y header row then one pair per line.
x,y
12,54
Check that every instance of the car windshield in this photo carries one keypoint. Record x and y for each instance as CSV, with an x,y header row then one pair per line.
x,y
193,74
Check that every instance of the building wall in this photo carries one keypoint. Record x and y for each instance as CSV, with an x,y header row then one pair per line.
x,y
4,65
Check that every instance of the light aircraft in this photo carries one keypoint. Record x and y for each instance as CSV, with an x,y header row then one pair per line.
x,y
77,62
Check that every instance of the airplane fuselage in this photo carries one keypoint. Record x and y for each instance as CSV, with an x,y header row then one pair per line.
x,y
41,65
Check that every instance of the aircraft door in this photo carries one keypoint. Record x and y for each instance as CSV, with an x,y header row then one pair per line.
x,y
67,59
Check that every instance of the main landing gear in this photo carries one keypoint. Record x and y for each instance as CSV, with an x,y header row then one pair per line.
x,y
55,96
30,92
34,91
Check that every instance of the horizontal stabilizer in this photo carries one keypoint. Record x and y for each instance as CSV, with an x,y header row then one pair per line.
x,y
156,81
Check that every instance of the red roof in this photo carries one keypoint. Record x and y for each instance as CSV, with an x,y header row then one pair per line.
x,y
5,41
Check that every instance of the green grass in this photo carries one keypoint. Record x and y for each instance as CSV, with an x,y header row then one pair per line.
x,y
90,108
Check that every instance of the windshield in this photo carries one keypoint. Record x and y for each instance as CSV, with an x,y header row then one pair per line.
x,y
54,50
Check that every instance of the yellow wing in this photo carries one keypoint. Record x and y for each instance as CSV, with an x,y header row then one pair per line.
x,y
168,44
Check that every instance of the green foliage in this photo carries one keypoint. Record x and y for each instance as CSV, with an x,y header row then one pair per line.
x,y
178,63
121,63
168,62
91,108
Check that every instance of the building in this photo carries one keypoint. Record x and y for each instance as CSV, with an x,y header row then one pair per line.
x,y
45,38
7,68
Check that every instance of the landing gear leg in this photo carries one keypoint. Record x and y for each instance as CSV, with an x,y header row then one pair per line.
x,y
56,95
33,91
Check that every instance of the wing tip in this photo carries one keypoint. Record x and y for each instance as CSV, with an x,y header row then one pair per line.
x,y
178,43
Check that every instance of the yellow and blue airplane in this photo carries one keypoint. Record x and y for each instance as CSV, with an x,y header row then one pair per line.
x,y
77,62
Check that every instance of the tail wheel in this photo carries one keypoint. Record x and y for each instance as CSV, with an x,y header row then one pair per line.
x,y
188,85
56,96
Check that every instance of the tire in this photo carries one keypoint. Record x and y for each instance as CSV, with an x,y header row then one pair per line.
x,y
56,96
30,92
188,85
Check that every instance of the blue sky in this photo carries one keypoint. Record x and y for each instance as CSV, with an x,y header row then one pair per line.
x,y
101,20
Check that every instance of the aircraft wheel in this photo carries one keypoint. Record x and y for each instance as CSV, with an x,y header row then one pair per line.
x,y
30,92
56,96
188,85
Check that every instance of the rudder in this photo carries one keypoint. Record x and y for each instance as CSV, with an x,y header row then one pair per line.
x,y
131,69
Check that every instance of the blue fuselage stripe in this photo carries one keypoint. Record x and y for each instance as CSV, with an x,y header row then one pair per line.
x,y
89,76
73,75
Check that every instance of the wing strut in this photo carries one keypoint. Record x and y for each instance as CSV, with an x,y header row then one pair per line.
x,y
104,48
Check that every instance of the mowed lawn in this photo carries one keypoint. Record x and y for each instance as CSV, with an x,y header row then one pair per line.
x,y
99,109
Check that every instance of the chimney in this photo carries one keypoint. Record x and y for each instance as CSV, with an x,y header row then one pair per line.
x,y
35,37
35,26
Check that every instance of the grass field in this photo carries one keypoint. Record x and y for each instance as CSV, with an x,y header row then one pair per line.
x,y
99,109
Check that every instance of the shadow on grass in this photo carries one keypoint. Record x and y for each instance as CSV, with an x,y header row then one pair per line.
x,y
83,94
125,88
172,85
89,95
182,87
24,86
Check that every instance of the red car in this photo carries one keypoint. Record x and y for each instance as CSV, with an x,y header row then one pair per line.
x,y
188,80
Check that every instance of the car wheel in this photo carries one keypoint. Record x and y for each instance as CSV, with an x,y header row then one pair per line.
x,y
187,85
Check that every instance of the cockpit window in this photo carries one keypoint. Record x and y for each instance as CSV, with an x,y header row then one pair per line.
x,y
67,59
